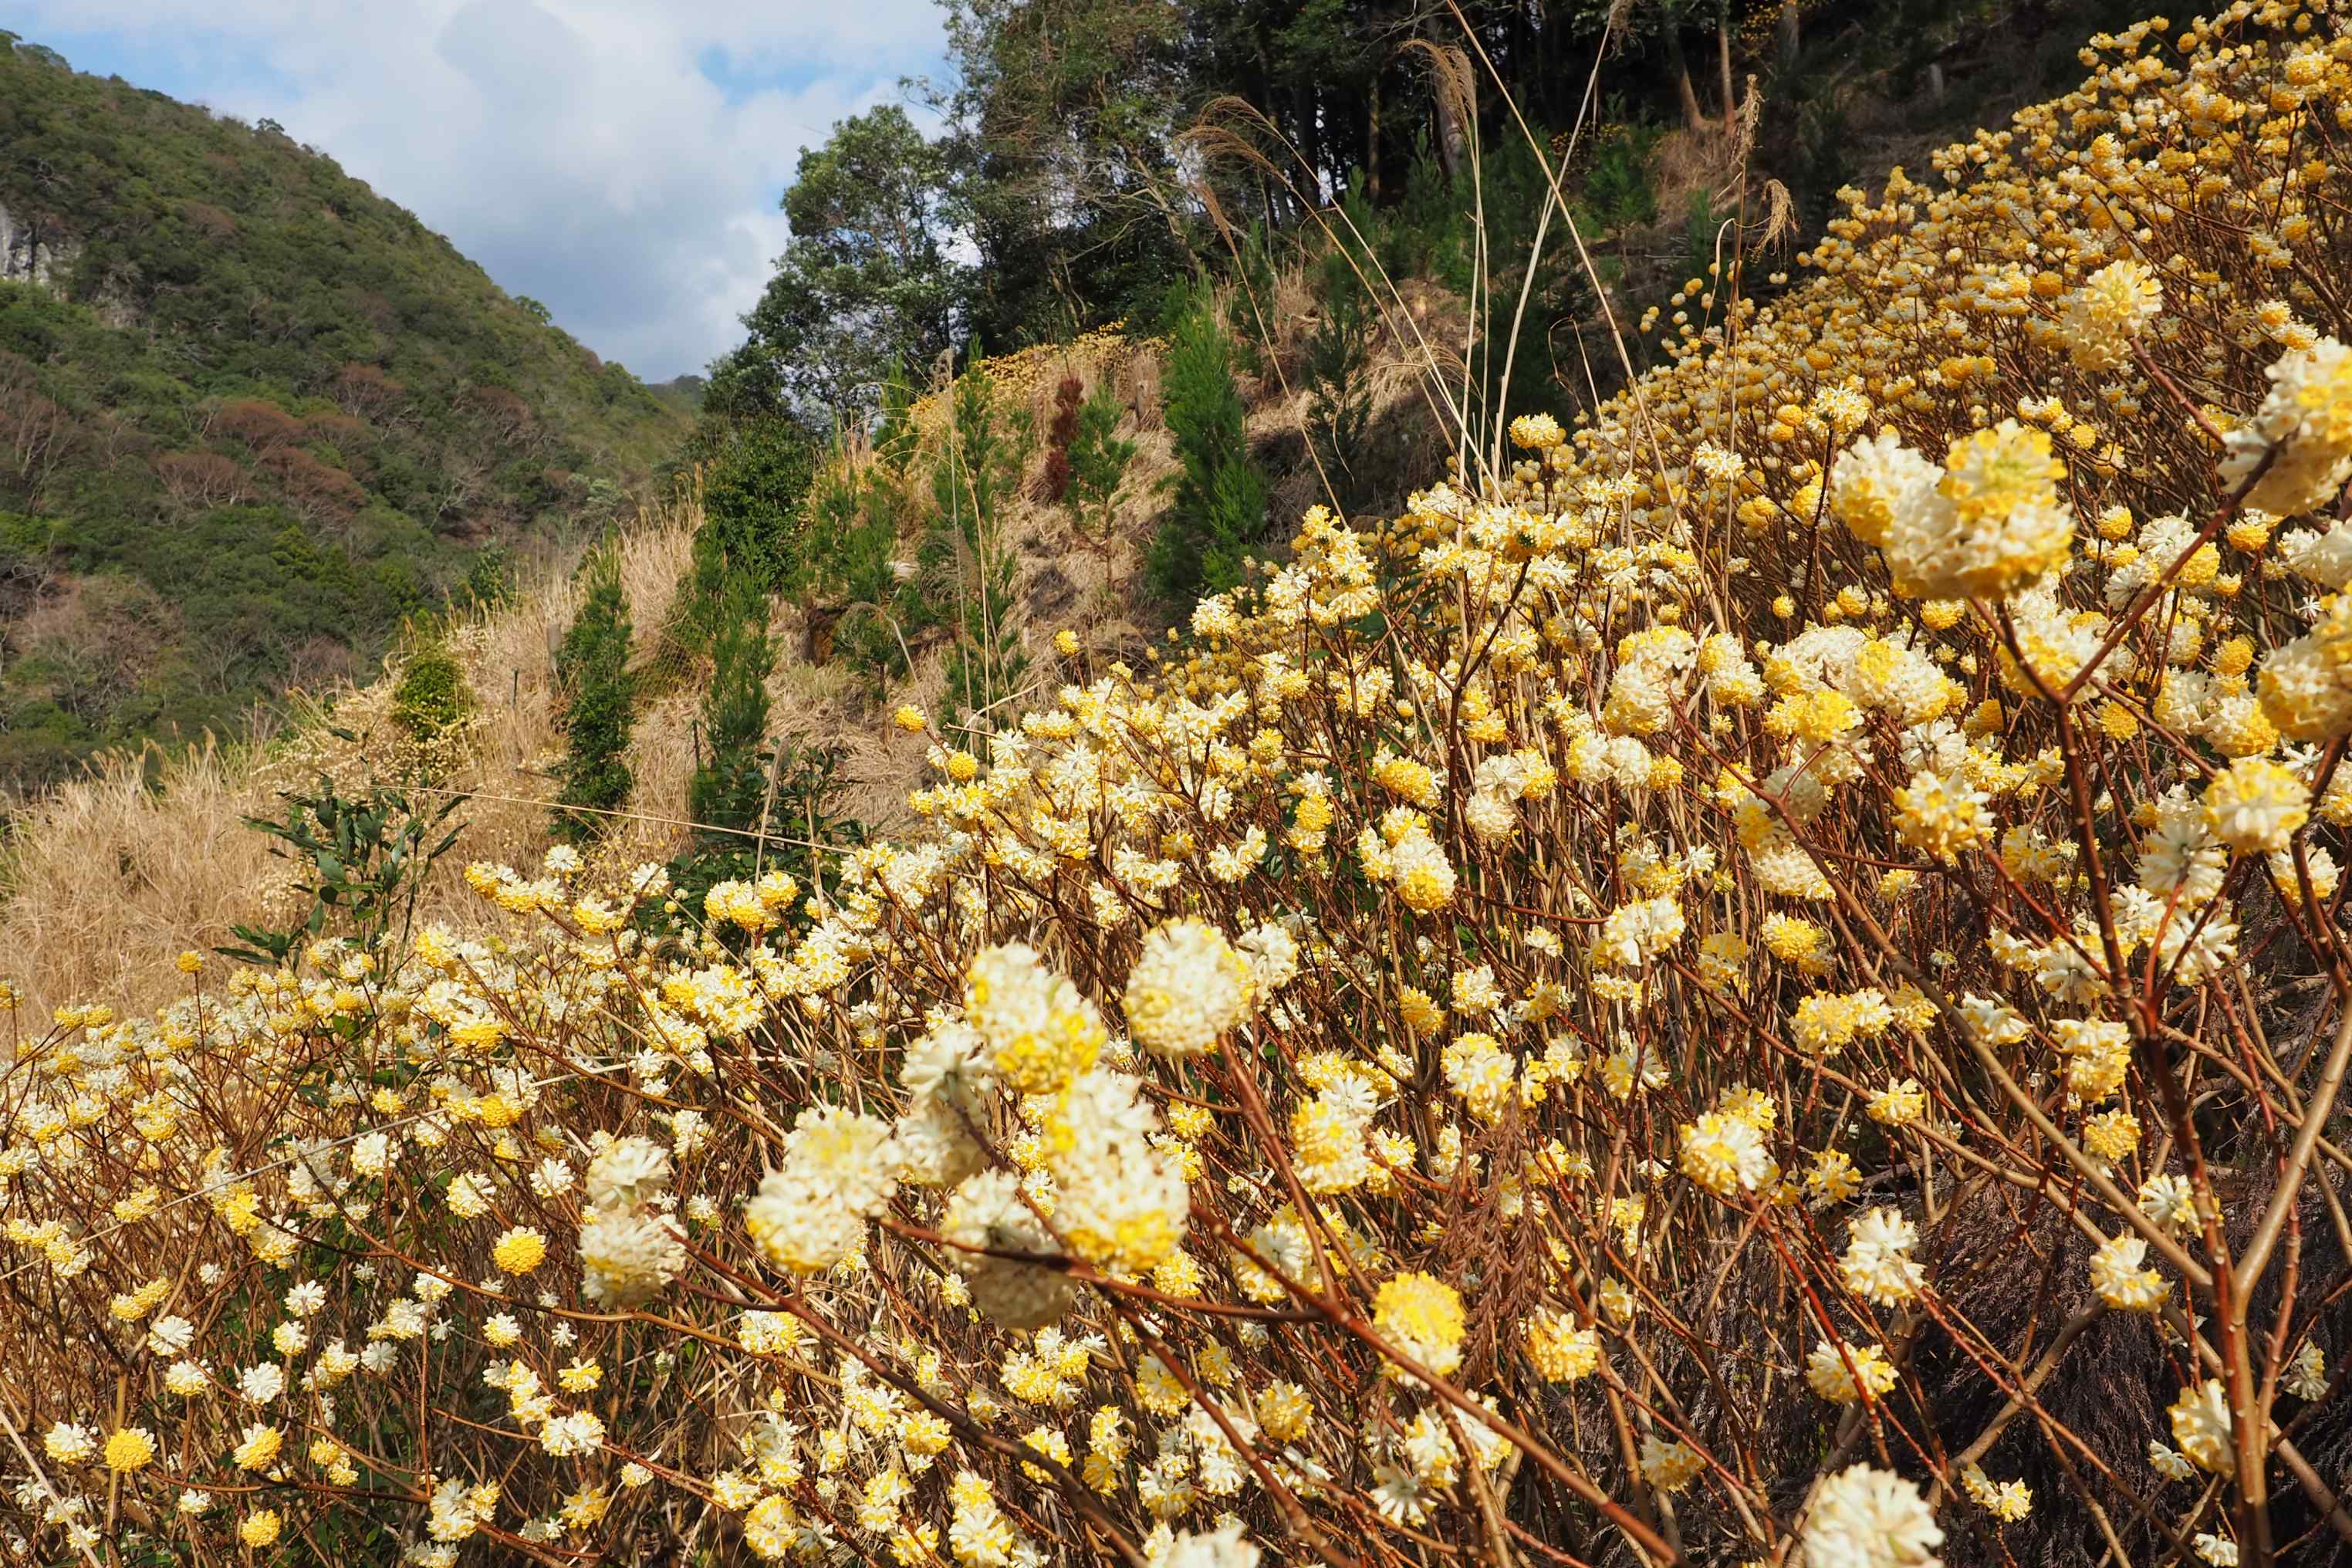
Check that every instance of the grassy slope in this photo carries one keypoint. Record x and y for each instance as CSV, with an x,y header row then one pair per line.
x,y
258,413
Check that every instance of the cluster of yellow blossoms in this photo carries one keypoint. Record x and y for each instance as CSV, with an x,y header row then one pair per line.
x,y
1767,978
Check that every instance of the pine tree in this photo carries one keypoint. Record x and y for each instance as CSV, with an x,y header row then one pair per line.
x,y
1337,371
751,500
977,475
1099,460
729,785
895,437
591,670
1220,493
754,484
854,508
758,806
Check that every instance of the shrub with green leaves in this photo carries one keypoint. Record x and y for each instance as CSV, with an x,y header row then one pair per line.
x,y
490,579
728,792
752,500
361,863
854,508
724,793
432,698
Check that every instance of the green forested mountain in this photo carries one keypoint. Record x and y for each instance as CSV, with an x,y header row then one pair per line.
x,y
252,415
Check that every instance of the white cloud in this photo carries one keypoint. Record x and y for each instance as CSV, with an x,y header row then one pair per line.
x,y
575,147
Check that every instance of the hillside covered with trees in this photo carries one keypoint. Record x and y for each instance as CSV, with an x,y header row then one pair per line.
x,y
252,416
1099,153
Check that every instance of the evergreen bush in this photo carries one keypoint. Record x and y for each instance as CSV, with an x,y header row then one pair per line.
x,y
1098,461
1220,494
752,503
1337,372
432,698
974,479
728,785
598,693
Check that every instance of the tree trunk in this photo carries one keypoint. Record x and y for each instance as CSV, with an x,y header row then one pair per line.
x,y
1372,141
1723,63
1449,136
1308,139
1791,37
1693,119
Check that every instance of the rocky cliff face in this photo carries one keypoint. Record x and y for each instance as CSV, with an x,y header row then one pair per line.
x,y
34,252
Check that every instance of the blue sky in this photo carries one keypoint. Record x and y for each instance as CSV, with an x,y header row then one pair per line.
x,y
619,159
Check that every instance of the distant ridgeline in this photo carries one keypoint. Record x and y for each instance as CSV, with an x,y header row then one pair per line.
x,y
251,416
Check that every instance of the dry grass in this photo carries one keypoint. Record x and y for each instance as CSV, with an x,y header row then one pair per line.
x,y
148,855
104,877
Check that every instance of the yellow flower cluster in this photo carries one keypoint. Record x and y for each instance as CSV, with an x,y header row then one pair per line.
x,y
1602,987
